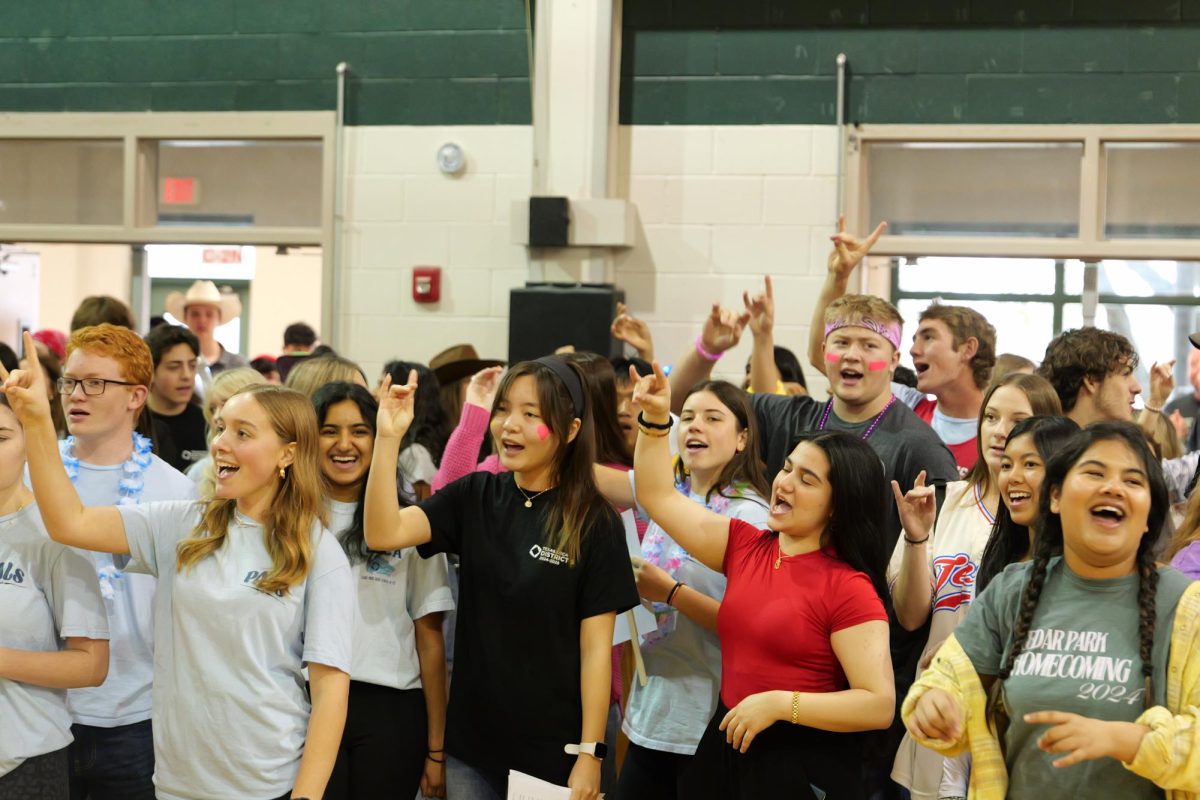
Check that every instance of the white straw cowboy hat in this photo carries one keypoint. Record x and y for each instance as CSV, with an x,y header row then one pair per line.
x,y
204,293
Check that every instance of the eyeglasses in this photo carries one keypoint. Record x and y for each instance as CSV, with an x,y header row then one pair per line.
x,y
92,387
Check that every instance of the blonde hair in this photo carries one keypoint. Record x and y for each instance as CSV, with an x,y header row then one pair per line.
x,y
296,506
857,307
1165,441
313,373
1188,530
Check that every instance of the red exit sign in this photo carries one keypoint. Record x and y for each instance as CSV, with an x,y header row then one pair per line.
x,y
180,191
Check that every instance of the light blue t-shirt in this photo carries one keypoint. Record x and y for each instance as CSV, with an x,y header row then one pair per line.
x,y
125,697
230,707
683,669
48,592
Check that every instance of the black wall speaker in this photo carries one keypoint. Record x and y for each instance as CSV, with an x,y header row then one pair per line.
x,y
543,317
549,220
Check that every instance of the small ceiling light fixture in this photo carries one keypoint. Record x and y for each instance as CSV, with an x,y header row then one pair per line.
x,y
450,159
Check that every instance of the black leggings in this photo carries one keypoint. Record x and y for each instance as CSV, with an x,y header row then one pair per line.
x,y
44,777
785,760
383,749
648,774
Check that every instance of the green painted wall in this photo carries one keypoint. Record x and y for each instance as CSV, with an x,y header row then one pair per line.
x,y
684,61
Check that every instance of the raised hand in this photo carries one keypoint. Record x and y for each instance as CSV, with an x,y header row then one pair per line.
x,y
849,251
918,508
761,309
723,329
652,393
26,388
936,716
395,407
481,390
1162,383
634,332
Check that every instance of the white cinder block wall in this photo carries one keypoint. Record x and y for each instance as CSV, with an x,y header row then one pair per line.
x,y
719,207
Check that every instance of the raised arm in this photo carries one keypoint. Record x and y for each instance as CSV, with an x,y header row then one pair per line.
x,y
912,595
722,331
614,485
764,375
67,520
633,332
848,252
701,532
1162,383
462,448
386,526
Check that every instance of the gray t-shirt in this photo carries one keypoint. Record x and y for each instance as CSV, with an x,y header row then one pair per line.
x,y
683,670
1081,657
394,589
48,592
231,711
125,697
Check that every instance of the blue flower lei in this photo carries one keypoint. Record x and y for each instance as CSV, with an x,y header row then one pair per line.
x,y
130,488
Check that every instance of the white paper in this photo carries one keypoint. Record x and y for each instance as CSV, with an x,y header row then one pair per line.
x,y
642,616
527,787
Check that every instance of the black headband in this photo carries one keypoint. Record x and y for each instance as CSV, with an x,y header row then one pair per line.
x,y
569,377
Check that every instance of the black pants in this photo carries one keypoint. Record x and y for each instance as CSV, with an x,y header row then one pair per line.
x,y
42,777
383,749
648,774
784,761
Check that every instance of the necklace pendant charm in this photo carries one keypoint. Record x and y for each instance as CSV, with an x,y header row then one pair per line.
x,y
778,561
529,504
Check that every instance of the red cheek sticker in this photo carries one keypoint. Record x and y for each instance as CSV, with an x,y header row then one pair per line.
x,y
543,432
875,366
833,358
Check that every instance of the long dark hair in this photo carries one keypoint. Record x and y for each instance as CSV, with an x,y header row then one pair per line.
x,y
430,426
600,385
857,527
1049,543
745,467
1008,542
577,506
329,395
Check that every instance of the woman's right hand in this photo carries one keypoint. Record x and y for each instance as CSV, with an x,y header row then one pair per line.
x,y
395,407
936,716
26,389
652,393
918,508
481,390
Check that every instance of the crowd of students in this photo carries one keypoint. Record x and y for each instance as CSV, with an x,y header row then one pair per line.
x,y
286,623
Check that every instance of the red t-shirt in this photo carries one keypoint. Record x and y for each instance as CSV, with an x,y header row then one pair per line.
x,y
965,453
775,624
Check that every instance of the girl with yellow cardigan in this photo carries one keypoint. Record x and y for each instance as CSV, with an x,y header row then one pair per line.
x,y
1077,673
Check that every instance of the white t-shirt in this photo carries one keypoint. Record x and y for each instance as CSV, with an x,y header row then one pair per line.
x,y
683,670
125,698
393,589
951,430
48,592
231,711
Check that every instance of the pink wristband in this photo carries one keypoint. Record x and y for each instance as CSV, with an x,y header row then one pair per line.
x,y
704,353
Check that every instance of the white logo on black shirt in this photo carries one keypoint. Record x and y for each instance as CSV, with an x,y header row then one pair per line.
x,y
549,555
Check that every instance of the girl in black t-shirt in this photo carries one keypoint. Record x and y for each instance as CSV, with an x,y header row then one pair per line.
x,y
544,570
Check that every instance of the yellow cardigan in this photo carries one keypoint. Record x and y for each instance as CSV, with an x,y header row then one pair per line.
x,y
1169,755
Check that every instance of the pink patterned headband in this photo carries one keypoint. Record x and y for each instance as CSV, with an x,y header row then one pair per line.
x,y
890,331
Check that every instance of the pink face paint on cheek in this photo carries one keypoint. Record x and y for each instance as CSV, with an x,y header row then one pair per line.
x,y
833,358
543,432
875,366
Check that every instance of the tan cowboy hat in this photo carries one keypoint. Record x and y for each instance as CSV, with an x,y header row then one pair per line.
x,y
458,362
204,293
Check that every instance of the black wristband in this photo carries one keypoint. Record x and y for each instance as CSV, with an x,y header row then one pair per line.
x,y
654,426
671,594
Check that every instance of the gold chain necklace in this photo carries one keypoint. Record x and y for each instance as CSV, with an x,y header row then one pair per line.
x,y
529,499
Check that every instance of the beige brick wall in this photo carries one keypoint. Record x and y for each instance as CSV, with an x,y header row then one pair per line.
x,y
718,207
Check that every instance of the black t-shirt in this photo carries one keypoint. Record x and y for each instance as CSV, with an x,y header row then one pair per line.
x,y
905,443
515,699
186,439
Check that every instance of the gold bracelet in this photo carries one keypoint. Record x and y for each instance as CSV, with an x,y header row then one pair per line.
x,y
653,433
795,708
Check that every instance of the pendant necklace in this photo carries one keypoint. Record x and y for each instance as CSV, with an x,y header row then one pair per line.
x,y
870,429
529,498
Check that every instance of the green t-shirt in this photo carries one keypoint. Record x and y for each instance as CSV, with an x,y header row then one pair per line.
x,y
1081,657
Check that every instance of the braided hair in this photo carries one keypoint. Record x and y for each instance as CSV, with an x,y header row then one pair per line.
x,y
1049,543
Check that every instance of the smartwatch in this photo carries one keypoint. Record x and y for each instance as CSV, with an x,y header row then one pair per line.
x,y
596,749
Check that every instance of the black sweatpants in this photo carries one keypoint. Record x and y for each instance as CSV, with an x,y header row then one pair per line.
x,y
383,749
784,761
648,774
44,777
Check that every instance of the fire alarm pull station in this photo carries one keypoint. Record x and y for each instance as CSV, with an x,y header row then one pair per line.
x,y
426,284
